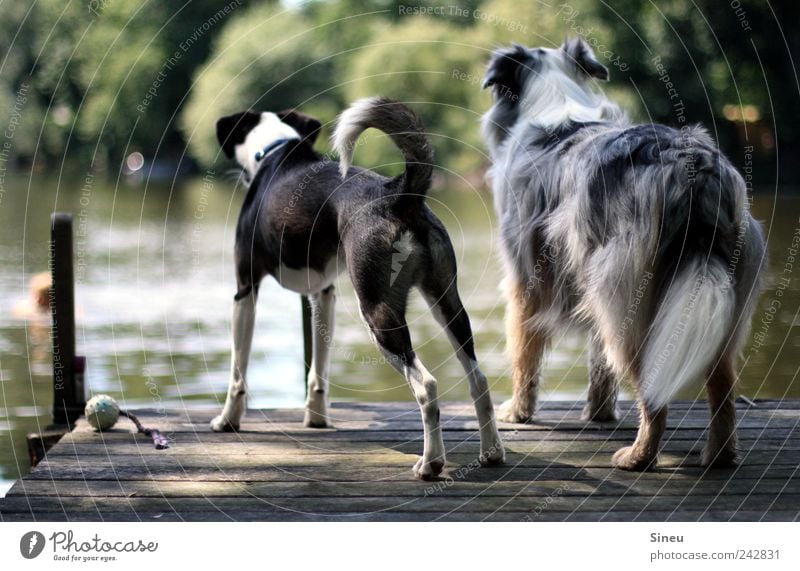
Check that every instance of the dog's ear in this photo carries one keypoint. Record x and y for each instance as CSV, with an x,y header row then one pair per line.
x,y
581,56
233,129
506,68
306,126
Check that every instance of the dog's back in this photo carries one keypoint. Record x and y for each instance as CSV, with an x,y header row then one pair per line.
x,y
641,216
300,204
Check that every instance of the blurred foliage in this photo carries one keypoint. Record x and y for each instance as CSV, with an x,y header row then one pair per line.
x,y
716,54
105,77
437,70
266,59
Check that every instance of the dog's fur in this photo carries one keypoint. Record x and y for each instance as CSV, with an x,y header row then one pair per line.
x,y
306,218
641,231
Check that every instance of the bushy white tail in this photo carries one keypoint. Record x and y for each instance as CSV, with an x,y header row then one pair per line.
x,y
692,324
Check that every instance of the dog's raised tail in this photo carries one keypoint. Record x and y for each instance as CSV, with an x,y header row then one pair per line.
x,y
692,325
401,124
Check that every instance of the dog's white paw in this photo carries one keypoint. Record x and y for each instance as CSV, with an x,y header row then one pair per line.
x,y
510,411
493,455
428,470
316,408
316,420
222,424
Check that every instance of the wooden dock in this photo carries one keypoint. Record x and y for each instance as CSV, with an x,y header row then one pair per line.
x,y
274,469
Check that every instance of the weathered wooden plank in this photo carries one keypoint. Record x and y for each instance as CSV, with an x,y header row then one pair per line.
x,y
693,423
455,418
313,437
437,504
349,473
397,516
782,474
289,447
542,454
458,488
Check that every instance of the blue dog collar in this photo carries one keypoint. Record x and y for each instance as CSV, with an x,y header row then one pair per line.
x,y
271,148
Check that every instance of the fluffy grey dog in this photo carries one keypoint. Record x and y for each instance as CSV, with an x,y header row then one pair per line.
x,y
641,231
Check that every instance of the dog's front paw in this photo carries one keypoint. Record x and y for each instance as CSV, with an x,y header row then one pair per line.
x,y
725,458
428,470
604,414
493,456
633,459
222,424
510,411
316,420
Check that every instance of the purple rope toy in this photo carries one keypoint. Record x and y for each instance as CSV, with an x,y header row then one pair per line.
x,y
159,440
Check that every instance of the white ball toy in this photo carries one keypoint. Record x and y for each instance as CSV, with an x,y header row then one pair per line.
x,y
102,412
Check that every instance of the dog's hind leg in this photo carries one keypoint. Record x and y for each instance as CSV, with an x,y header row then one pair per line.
x,y
388,327
447,309
642,454
322,306
244,318
720,449
601,403
526,347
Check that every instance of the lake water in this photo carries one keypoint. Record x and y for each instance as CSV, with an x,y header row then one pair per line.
x,y
155,284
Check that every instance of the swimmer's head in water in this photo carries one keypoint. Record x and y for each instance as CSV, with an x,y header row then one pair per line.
x,y
40,286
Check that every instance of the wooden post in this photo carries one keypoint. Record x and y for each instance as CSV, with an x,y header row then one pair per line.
x,y
308,332
68,399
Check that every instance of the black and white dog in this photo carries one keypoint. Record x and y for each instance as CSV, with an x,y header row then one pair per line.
x,y
305,218
642,231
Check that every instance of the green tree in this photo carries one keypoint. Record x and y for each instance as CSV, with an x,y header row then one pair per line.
x,y
435,67
138,60
265,59
20,106
718,56
91,66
